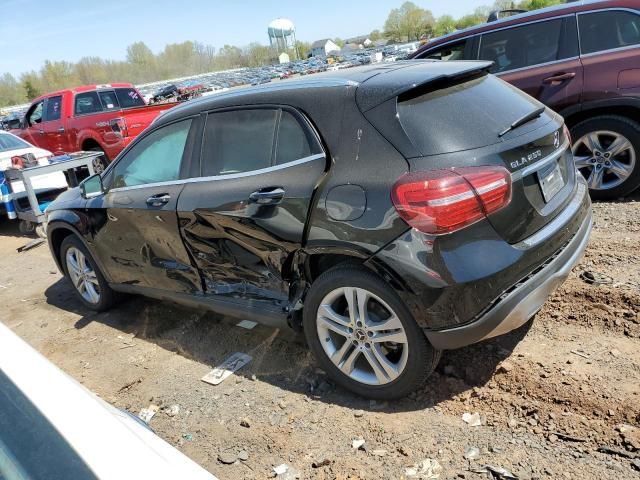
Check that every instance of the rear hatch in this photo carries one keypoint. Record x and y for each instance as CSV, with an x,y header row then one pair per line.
x,y
469,120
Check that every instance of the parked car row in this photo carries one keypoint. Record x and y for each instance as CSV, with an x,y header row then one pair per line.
x,y
583,60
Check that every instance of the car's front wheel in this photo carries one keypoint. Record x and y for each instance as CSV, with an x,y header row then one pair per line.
x,y
87,280
363,335
606,151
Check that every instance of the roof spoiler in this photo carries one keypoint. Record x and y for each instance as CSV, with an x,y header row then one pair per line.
x,y
478,69
498,14
413,78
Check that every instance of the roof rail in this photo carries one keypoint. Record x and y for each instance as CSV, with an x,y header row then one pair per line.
x,y
497,14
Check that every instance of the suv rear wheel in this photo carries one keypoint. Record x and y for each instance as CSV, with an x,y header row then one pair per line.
x,y
364,337
606,150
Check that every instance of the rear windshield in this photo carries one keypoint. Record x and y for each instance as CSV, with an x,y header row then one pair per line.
x,y
463,116
128,98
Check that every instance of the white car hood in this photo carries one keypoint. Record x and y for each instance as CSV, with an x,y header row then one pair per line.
x,y
111,443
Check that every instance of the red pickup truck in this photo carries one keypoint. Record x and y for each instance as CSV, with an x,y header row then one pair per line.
x,y
93,117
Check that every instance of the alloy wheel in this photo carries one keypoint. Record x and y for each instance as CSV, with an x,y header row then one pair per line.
x,y
362,336
82,275
605,158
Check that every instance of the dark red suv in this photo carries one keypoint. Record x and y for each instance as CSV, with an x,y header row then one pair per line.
x,y
581,59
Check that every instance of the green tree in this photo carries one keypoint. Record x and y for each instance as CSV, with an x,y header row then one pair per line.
x,y
303,49
409,22
445,24
338,41
535,4
10,91
375,35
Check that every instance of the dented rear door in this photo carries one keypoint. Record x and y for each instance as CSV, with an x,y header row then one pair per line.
x,y
244,218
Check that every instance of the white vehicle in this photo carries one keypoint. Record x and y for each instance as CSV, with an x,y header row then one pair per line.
x,y
12,146
53,427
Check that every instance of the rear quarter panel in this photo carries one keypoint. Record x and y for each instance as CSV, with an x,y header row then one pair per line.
x,y
365,159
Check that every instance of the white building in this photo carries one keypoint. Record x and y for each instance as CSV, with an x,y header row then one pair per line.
x,y
322,48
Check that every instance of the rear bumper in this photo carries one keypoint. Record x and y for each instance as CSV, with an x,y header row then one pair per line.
x,y
516,306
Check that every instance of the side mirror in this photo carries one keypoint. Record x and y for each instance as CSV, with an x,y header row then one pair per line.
x,y
92,187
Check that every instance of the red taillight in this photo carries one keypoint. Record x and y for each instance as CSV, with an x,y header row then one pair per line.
x,y
442,201
119,126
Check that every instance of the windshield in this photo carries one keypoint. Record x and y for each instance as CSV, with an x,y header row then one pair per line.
x,y
30,447
9,142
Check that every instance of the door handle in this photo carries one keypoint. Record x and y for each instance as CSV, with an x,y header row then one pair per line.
x,y
267,196
41,132
559,78
158,200
61,130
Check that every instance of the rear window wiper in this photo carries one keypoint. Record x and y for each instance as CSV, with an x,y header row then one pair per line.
x,y
522,120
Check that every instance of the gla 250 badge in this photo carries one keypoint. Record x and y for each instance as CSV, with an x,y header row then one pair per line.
x,y
537,154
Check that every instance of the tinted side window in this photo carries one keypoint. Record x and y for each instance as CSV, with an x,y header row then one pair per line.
x,y
87,103
108,99
53,108
295,141
525,46
607,30
128,97
238,141
156,158
454,51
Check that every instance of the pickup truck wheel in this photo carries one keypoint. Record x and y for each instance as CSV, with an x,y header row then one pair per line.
x,y
86,278
363,335
606,151
101,162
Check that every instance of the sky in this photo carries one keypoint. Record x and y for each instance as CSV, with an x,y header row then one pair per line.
x,y
32,31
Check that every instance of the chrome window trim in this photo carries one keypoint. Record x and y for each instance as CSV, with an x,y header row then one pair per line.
x,y
522,69
523,24
216,178
517,175
617,49
560,221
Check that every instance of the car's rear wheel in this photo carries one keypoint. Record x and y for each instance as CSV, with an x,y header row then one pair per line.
x,y
87,280
363,335
606,151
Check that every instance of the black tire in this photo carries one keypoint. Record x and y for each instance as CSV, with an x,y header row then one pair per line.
x,y
26,227
107,297
422,357
623,126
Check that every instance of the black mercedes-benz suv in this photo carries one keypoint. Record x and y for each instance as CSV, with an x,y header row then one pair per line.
x,y
389,211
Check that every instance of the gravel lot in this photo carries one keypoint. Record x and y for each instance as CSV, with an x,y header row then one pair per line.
x,y
549,395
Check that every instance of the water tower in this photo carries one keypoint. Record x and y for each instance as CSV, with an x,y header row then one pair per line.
x,y
282,35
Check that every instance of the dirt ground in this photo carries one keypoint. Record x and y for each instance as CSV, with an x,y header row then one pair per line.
x,y
559,398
